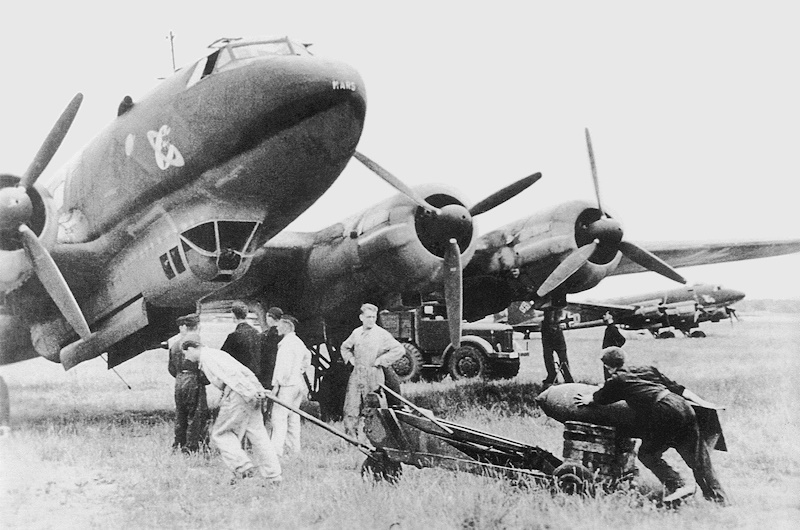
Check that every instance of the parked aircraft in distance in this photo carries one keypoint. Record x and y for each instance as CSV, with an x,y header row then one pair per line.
x,y
171,200
683,309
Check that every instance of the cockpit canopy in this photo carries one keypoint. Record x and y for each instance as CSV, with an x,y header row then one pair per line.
x,y
233,53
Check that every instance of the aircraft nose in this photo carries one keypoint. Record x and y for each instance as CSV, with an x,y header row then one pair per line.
x,y
267,95
736,295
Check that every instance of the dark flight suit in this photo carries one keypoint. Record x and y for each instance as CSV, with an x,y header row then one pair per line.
x,y
191,407
612,337
553,343
244,345
670,422
269,352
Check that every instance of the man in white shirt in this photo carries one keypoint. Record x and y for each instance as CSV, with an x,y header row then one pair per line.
x,y
239,413
291,363
368,348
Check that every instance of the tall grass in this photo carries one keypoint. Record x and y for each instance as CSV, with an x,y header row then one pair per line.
x,y
87,452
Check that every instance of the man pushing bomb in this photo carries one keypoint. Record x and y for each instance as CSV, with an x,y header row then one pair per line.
x,y
670,422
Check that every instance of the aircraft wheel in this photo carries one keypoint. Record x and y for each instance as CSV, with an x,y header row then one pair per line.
x,y
409,367
379,468
697,334
574,479
467,362
666,335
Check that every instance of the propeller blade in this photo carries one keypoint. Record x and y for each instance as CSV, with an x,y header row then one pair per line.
x,y
395,182
52,142
567,268
649,261
499,197
453,291
594,171
53,282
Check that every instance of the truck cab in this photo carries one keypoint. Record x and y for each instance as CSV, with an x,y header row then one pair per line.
x,y
487,349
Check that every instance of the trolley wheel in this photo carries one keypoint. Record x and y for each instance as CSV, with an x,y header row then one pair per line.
x,y
574,479
380,468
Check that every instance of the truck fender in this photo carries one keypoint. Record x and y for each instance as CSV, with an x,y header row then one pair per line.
x,y
474,340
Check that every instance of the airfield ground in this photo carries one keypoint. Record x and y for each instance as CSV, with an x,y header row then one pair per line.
x,y
87,452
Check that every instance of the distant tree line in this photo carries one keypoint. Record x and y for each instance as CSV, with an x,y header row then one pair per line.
x,y
769,304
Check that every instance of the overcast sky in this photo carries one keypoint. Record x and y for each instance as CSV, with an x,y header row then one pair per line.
x,y
693,106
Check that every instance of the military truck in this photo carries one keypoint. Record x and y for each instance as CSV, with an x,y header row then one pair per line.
x,y
487,349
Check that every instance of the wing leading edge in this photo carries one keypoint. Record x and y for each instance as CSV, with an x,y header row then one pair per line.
x,y
705,253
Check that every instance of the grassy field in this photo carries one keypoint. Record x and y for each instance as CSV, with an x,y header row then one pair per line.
x,y
87,452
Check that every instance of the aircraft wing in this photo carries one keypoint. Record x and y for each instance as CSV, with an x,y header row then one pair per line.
x,y
704,253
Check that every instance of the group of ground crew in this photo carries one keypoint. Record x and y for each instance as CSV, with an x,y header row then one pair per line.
x,y
252,363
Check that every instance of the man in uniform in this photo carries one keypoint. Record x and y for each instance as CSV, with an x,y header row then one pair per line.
x,y
239,413
369,348
553,343
244,343
671,422
269,347
191,407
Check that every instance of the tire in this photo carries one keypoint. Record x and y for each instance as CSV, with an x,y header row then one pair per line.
x,y
573,479
379,468
467,362
666,335
697,334
409,367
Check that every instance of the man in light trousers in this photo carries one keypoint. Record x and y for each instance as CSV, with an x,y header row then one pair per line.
x,y
239,413
291,363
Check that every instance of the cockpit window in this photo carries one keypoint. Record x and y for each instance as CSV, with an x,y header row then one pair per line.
x,y
259,49
231,53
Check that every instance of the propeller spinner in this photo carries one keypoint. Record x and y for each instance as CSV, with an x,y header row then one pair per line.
x,y
442,229
602,234
16,212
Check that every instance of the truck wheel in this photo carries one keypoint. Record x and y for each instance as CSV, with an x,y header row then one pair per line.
x,y
467,362
409,367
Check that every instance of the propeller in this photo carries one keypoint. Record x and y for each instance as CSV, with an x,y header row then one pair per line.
x,y
602,234
453,291
16,211
442,228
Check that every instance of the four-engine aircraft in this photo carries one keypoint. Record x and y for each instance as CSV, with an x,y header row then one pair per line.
x,y
683,308
171,201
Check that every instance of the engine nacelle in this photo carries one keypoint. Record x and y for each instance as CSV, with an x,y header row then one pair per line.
x,y
393,247
15,266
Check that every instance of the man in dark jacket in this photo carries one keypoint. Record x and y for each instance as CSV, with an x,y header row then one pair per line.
x,y
269,347
191,407
243,344
671,422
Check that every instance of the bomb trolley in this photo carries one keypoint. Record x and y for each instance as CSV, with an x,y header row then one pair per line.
x,y
410,435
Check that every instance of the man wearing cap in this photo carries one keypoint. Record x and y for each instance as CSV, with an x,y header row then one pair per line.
x,y
269,347
239,413
191,407
671,422
369,348
243,344
288,385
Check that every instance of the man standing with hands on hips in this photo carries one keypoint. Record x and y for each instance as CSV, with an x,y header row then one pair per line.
x,y
369,348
